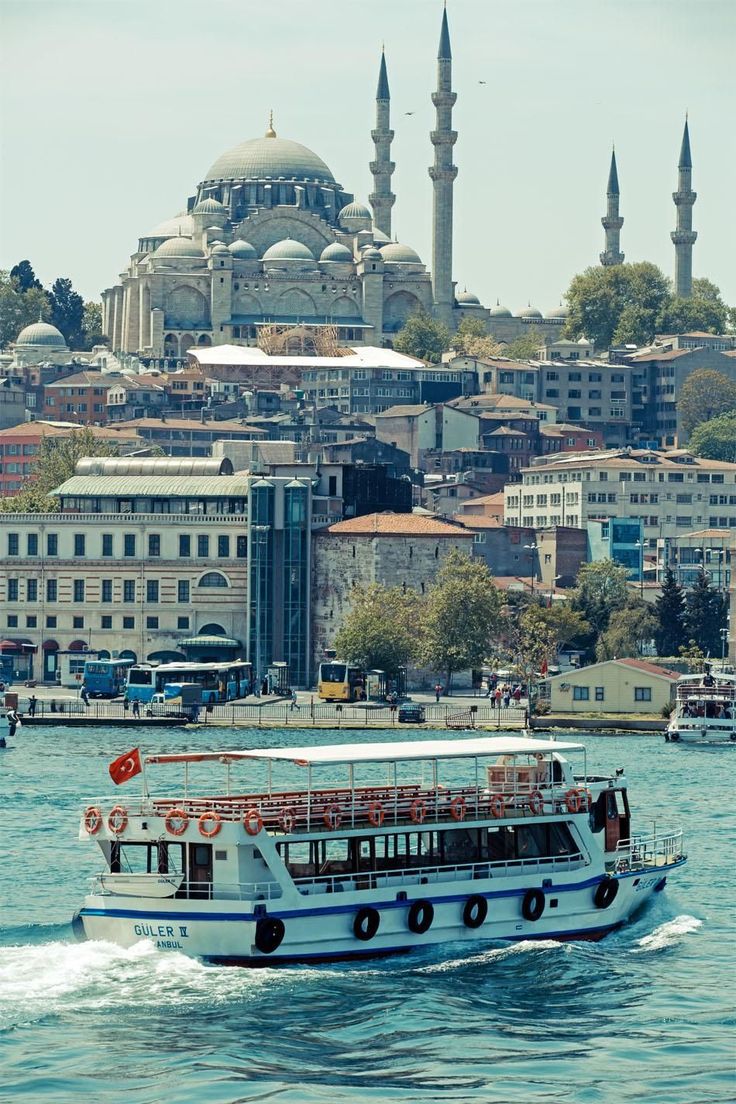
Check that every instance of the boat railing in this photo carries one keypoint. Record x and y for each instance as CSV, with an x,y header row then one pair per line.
x,y
643,852
419,875
103,885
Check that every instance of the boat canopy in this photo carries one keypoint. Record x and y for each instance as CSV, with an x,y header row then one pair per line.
x,y
380,752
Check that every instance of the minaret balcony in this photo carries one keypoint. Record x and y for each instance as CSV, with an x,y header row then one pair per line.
x,y
444,99
684,199
684,237
443,137
382,199
610,257
439,173
382,136
609,223
381,168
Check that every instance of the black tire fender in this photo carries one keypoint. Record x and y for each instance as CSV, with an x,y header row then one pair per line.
x,y
270,931
605,892
420,916
475,911
532,905
366,923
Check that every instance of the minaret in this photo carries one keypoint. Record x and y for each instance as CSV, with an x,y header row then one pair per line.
x,y
684,236
382,199
612,221
443,173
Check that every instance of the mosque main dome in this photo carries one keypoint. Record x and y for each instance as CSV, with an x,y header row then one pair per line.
x,y
270,158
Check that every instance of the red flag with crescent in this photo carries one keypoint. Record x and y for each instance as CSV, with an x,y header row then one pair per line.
x,y
126,766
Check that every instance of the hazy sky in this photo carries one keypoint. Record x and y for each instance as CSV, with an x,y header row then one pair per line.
x,y
113,110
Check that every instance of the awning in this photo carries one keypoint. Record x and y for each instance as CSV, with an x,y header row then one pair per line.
x,y
209,642
17,647
50,646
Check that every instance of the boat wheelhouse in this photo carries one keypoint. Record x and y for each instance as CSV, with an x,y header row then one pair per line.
x,y
705,709
352,849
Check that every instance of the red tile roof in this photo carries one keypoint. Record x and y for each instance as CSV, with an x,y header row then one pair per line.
x,y
650,668
396,525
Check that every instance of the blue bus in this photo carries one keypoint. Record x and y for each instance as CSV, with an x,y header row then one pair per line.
x,y
106,678
220,682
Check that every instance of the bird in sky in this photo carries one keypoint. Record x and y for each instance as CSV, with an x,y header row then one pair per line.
x,y
408,112
482,82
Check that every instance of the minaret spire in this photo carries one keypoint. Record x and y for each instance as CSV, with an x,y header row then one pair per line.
x,y
443,174
382,198
684,236
612,221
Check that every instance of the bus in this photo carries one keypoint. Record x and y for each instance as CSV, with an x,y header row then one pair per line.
x,y
340,681
106,678
219,682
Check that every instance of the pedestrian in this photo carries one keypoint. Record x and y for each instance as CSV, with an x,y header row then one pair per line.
x,y
498,696
126,705
264,687
136,708
294,704
32,705
14,721
437,692
83,694
506,698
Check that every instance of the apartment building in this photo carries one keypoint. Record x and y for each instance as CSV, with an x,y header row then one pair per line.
x,y
19,445
672,492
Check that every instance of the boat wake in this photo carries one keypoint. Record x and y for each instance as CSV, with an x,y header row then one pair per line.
x,y
496,954
668,934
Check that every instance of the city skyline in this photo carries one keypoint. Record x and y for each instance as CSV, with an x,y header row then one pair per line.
x,y
140,134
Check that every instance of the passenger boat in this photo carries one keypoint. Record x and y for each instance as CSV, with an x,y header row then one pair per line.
x,y
340,851
705,709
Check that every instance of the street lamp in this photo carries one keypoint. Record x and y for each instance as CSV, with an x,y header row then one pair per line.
x,y
640,545
532,548
552,587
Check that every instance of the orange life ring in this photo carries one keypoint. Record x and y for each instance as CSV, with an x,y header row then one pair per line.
x,y
536,802
418,811
332,816
287,819
92,820
577,800
497,805
216,819
457,808
252,822
117,819
172,817
376,814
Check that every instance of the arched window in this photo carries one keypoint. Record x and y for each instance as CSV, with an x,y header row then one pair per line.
x,y
213,579
212,629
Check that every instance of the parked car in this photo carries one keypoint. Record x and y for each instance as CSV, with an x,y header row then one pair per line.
x,y
412,713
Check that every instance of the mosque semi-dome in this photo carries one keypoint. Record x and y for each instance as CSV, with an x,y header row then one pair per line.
x,y
270,158
530,312
336,251
41,333
243,250
500,312
288,250
396,253
467,299
170,228
178,247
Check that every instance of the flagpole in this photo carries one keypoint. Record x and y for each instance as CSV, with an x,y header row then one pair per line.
x,y
144,780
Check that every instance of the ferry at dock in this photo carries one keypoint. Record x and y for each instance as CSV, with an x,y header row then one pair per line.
x,y
347,850
705,708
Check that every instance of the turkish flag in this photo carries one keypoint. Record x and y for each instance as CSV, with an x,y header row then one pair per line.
x,y
126,766
542,670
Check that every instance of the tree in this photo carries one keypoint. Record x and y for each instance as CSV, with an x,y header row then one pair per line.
x,y
92,325
601,590
473,340
704,310
715,439
524,347
18,308
706,614
670,613
704,395
25,277
460,616
629,629
379,631
55,463
616,303
567,625
423,338
67,311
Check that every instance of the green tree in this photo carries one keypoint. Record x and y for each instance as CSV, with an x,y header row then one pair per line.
x,y
704,310
601,590
92,326
379,631
524,347
629,629
669,609
25,277
472,339
715,439
704,395
18,308
55,463
460,617
706,614
423,338
67,311
567,625
616,303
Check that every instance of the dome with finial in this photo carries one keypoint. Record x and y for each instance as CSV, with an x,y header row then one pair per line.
x,y
558,312
41,333
178,247
270,158
500,312
530,312
466,298
396,253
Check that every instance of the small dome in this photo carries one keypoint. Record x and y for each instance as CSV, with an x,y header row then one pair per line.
x,y
558,312
370,253
500,312
355,210
41,333
243,250
395,253
336,251
209,206
220,247
179,224
288,250
467,299
530,312
178,247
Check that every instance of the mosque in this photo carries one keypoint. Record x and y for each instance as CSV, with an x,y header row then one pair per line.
x,y
271,239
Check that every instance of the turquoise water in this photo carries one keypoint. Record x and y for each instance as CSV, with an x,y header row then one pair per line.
x,y
645,1016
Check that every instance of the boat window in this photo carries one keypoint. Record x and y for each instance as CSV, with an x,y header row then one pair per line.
x,y
146,858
